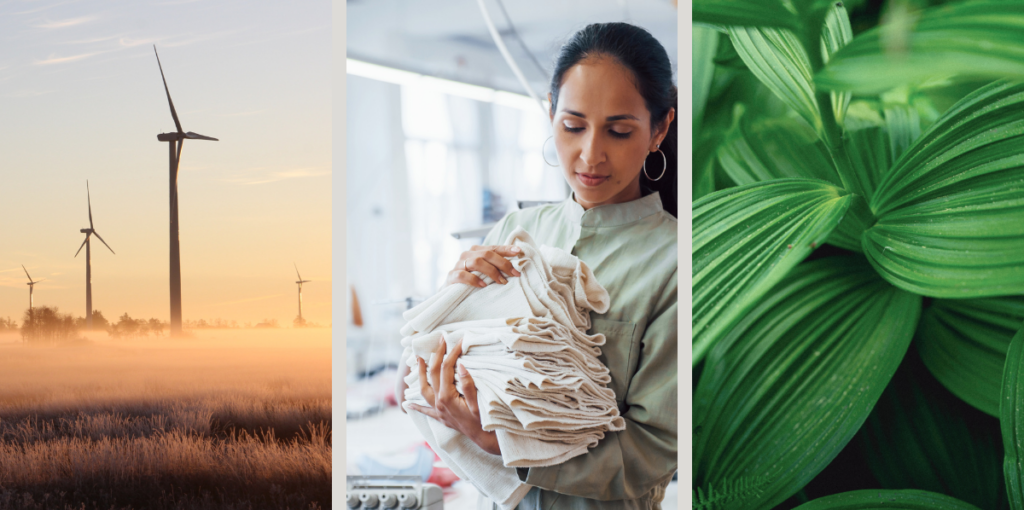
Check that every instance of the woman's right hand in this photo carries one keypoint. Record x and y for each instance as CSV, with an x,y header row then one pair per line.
x,y
489,260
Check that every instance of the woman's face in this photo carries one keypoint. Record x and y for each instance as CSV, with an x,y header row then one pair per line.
x,y
602,132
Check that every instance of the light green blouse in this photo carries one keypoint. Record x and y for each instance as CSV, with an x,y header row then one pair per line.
x,y
631,248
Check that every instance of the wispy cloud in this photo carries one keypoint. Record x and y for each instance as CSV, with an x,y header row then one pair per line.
x,y
39,9
249,300
63,60
94,40
294,173
65,23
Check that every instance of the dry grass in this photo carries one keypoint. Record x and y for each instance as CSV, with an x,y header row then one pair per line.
x,y
237,419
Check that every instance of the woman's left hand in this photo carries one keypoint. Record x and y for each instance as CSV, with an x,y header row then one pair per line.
x,y
455,410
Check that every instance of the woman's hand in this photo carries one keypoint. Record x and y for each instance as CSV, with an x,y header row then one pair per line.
x,y
456,411
489,260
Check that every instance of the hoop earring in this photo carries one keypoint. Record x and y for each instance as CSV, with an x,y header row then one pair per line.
x,y
665,159
542,151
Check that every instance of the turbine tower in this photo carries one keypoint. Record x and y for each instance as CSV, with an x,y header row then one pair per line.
x,y
174,142
31,284
300,281
89,232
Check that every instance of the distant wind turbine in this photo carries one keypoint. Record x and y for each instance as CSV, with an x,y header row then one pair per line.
x,y
300,282
89,232
174,142
31,284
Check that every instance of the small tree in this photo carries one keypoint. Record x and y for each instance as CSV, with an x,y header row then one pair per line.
x,y
128,327
47,324
156,326
8,324
99,322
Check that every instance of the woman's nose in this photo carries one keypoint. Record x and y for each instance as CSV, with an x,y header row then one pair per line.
x,y
593,152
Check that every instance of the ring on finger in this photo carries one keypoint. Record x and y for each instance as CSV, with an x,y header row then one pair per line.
x,y
465,265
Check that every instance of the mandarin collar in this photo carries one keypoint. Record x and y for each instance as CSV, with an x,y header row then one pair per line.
x,y
612,215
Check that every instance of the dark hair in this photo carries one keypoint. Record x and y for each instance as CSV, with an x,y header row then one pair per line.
x,y
637,50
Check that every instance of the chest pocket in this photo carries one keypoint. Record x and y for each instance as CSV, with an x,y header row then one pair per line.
x,y
620,353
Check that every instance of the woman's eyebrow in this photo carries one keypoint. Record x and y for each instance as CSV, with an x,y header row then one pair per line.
x,y
608,119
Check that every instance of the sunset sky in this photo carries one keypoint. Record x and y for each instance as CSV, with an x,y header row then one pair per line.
x,y
81,98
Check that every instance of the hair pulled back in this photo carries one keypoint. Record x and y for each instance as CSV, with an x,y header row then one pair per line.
x,y
645,57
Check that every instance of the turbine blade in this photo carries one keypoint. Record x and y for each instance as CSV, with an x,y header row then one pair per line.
x,y
173,113
297,270
26,272
89,201
104,242
177,157
83,245
196,136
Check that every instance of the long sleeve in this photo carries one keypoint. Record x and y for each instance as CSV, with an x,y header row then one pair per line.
x,y
630,463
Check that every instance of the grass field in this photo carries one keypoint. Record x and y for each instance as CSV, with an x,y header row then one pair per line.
x,y
228,419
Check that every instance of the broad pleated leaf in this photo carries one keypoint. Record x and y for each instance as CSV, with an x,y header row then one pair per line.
x,y
951,211
904,126
763,13
746,238
773,148
705,46
857,219
920,436
887,499
836,34
790,385
777,57
963,343
970,39
1011,421
704,149
871,157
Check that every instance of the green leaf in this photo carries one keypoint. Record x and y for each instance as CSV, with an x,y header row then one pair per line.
x,y
870,157
705,45
778,58
770,148
920,436
1011,421
884,499
791,383
762,13
745,239
951,211
858,218
963,343
704,149
969,39
836,34
904,126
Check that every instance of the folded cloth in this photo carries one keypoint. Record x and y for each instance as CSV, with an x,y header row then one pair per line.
x,y
540,385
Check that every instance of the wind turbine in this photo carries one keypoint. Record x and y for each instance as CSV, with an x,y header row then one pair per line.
x,y
300,282
176,138
31,285
89,232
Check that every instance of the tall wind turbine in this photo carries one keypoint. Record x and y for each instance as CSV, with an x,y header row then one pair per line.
x,y
31,284
174,142
300,282
89,232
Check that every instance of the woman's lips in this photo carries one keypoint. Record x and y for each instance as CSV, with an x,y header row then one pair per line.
x,y
591,179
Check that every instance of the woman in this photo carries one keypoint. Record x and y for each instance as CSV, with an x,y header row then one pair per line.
x,y
613,114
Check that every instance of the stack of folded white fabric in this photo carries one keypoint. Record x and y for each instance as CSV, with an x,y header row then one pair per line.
x,y
539,383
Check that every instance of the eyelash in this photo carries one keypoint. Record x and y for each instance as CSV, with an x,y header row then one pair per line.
x,y
613,133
